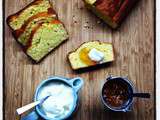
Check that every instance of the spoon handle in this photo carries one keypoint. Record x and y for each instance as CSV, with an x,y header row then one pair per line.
x,y
142,95
27,107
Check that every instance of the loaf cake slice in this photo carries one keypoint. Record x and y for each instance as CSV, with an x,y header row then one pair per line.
x,y
16,20
44,38
91,54
23,34
110,11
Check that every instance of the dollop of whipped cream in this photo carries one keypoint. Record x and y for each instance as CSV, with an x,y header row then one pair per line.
x,y
61,101
96,55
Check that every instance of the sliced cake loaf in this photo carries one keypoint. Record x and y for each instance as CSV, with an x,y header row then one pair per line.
x,y
23,34
37,29
16,20
91,54
111,11
45,38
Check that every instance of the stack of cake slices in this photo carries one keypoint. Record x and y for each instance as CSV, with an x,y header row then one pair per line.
x,y
37,29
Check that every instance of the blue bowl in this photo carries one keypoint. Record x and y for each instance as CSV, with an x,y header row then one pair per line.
x,y
75,84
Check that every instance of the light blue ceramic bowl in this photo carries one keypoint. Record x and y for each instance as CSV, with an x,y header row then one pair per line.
x,y
75,84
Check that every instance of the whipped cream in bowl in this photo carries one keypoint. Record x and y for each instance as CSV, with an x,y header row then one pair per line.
x,y
63,97
60,102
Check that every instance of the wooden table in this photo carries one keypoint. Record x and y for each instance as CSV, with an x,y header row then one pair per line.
x,y
133,43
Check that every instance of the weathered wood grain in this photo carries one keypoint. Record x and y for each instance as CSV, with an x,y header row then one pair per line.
x,y
133,43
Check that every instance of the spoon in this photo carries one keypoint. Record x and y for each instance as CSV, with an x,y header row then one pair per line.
x,y
141,95
31,105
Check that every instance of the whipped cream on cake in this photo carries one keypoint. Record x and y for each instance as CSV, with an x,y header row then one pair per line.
x,y
96,55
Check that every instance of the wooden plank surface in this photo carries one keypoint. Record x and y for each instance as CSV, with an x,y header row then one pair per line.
x,y
133,43
157,60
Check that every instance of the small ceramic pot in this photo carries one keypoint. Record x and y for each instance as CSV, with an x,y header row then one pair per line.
x,y
75,84
127,106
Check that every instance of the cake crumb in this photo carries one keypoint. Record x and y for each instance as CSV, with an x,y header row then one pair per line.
x,y
98,22
86,26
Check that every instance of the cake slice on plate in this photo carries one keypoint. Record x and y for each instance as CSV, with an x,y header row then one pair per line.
x,y
91,54
110,11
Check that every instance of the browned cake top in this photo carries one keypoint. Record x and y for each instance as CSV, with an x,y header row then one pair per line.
x,y
109,7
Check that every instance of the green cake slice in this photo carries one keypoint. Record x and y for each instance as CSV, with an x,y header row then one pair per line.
x,y
16,20
23,34
45,38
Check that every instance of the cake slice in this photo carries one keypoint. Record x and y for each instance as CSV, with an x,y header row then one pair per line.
x,y
44,38
23,34
16,20
91,54
110,11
